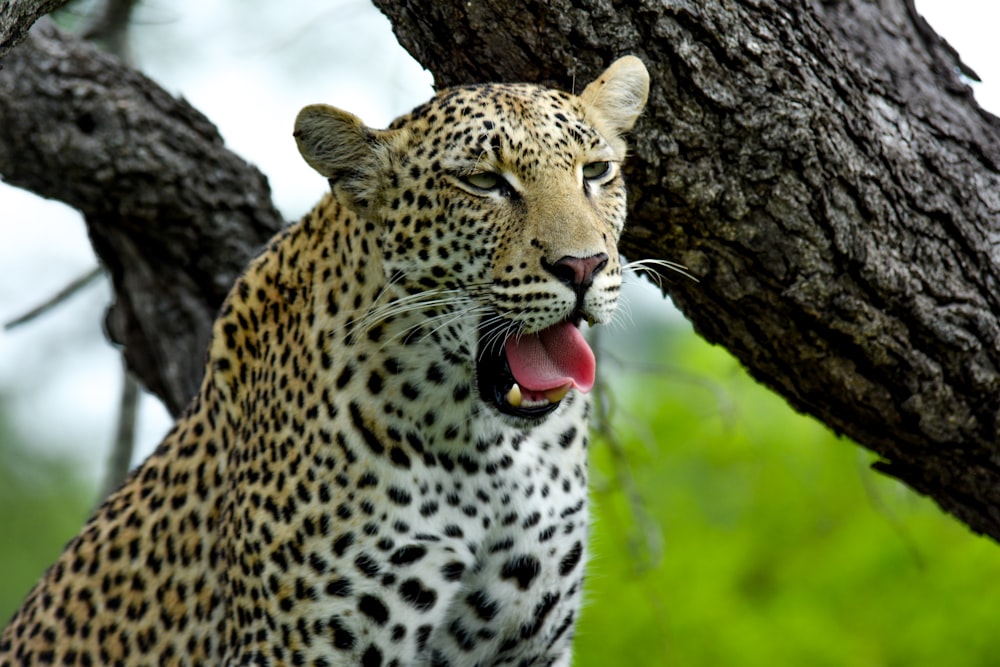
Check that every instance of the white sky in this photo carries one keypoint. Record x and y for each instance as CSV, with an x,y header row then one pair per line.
x,y
57,374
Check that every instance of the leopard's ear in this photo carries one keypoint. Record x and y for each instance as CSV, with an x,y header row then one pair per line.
x,y
341,147
616,98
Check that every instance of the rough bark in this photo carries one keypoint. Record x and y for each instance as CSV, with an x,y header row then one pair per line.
x,y
16,16
824,172
820,167
173,215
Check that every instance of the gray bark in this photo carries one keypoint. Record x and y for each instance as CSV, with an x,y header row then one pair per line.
x,y
820,166
17,16
172,214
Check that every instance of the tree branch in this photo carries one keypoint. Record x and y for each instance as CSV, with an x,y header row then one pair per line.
x,y
17,17
172,214
830,181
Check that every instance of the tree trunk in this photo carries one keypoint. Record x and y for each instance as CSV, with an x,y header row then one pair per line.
x,y
820,167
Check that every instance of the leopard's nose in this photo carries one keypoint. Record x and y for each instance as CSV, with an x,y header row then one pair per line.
x,y
577,272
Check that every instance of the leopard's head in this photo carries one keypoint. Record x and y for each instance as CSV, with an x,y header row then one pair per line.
x,y
500,208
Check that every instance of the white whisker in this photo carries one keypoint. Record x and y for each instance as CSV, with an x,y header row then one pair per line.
x,y
499,330
622,317
649,268
453,317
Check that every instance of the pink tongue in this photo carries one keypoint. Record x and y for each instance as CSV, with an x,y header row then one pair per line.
x,y
552,358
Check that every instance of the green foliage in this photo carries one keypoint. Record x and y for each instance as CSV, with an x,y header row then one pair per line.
x,y
780,545
42,505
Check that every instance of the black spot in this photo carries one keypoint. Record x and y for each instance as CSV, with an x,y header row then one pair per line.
x,y
373,608
561,630
359,423
392,366
423,634
342,543
435,374
399,496
415,442
345,376
566,439
572,510
542,610
408,554
523,569
503,545
399,457
413,592
372,657
570,560
367,565
340,588
343,638
463,637
484,607
452,571
470,465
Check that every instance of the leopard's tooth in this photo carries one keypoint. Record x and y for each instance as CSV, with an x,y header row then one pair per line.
x,y
557,394
591,321
514,396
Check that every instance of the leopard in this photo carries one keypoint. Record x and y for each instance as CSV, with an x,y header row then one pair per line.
x,y
386,461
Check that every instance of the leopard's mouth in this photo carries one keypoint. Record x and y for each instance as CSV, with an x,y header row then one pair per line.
x,y
527,375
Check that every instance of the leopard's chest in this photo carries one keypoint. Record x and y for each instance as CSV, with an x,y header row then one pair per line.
x,y
371,542
481,553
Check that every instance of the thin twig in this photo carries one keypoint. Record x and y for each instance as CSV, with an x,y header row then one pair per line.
x,y
645,540
878,503
120,459
56,299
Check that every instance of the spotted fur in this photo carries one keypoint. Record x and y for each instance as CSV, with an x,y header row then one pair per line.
x,y
341,491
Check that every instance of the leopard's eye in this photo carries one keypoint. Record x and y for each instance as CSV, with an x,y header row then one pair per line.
x,y
593,171
484,180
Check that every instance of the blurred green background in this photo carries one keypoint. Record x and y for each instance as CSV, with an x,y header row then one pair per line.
x,y
728,530
763,539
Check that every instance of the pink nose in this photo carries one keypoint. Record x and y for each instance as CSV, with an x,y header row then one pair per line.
x,y
577,272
